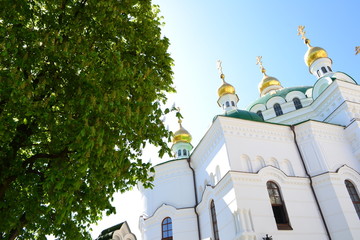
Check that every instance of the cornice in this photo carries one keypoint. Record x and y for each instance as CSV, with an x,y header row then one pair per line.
x,y
319,130
262,131
171,170
166,210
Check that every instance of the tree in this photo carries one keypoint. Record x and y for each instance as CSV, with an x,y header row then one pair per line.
x,y
82,83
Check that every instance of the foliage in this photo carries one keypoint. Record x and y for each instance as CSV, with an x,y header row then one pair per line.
x,y
81,88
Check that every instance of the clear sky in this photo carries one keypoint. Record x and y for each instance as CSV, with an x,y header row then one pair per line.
x,y
236,31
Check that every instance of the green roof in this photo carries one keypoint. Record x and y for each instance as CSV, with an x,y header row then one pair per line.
x,y
107,233
243,114
280,93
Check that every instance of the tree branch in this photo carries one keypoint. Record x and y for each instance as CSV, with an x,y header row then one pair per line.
x,y
15,232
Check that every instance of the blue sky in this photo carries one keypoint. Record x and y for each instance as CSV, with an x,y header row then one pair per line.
x,y
201,32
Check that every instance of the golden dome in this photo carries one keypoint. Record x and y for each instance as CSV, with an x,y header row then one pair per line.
x,y
268,81
182,135
226,89
314,53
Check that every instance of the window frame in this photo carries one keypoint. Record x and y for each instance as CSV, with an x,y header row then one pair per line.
x,y
259,113
278,206
324,70
354,196
277,109
184,152
167,230
215,229
297,103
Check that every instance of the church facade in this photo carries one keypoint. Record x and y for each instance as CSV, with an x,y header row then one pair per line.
x,y
285,168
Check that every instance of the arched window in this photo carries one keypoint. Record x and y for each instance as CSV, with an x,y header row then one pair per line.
x,y
318,73
354,196
232,103
329,69
166,228
214,221
278,206
179,152
260,114
277,109
184,152
323,69
297,103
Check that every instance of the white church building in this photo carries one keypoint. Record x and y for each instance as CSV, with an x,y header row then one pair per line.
x,y
285,168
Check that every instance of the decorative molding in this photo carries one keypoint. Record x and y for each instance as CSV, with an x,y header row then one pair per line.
x,y
244,225
166,210
325,131
255,130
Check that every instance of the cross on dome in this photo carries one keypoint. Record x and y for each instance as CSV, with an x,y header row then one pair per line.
x,y
302,32
259,62
219,67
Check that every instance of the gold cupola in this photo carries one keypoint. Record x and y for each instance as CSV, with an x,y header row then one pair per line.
x,y
268,83
225,88
313,53
182,135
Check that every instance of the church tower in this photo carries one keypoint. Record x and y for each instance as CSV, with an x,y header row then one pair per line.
x,y
227,97
316,58
181,142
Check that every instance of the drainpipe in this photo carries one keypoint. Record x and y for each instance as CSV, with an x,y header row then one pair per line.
x,y
196,198
311,183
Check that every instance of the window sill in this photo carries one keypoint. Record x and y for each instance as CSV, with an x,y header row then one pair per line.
x,y
284,227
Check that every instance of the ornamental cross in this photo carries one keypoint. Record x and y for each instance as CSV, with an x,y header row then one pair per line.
x,y
357,50
259,62
219,67
301,32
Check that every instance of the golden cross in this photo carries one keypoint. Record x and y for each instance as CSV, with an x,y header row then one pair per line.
x,y
259,62
219,67
357,50
301,32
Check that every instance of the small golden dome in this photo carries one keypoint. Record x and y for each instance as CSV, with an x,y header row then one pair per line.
x,y
314,53
268,81
182,135
226,89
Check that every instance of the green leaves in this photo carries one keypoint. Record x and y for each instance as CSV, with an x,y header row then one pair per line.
x,y
81,84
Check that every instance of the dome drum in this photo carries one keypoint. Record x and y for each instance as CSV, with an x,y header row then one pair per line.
x,y
317,67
